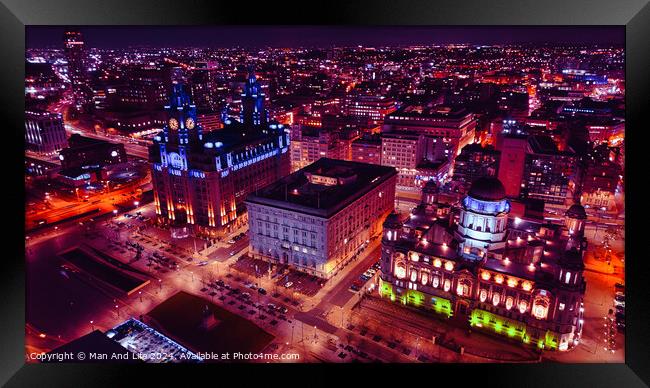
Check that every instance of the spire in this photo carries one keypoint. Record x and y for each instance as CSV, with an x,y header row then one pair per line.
x,y
253,112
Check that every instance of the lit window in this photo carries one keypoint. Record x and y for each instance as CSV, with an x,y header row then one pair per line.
x,y
435,282
414,275
449,266
415,256
437,263
447,285
425,278
567,277
400,270
523,305
561,307
526,286
499,278
496,298
509,302
482,295
512,282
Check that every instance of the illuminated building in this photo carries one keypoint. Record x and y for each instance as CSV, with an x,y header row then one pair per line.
x,y
513,149
318,218
475,161
308,144
77,72
371,108
600,184
252,100
44,132
548,172
201,178
144,88
367,149
455,126
517,278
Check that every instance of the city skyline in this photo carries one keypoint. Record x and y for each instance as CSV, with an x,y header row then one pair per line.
x,y
323,37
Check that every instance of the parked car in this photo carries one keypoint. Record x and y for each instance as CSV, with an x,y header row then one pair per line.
x,y
288,284
282,309
619,300
202,263
261,291
619,287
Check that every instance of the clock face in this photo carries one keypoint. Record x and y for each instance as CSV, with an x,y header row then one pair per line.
x,y
173,123
189,123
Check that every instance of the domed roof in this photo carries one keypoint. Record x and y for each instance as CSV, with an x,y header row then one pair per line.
x,y
576,211
487,189
393,221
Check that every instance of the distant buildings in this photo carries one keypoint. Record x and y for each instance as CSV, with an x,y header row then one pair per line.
x,y
201,179
44,132
308,144
370,108
318,218
517,278
420,140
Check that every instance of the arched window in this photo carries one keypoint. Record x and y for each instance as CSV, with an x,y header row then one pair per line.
x,y
482,295
496,298
425,278
436,282
447,285
509,302
400,269
567,277
523,305
414,275
540,307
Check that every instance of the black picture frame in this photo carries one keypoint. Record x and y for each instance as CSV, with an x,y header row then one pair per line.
x,y
16,14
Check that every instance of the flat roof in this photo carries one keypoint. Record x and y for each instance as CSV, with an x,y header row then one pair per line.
x,y
296,193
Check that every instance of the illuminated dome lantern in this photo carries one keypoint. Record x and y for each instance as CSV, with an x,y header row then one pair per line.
x,y
392,227
575,219
483,218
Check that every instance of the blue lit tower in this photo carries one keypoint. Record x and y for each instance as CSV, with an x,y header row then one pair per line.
x,y
182,128
253,112
483,219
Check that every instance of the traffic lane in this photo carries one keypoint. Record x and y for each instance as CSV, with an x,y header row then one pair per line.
x,y
341,294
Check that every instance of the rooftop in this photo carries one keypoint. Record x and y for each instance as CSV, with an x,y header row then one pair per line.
x,y
324,187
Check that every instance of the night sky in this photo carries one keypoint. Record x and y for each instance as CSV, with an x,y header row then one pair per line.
x,y
304,36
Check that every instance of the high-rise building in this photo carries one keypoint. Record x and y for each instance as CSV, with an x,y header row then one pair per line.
x,y
475,161
44,132
77,69
513,149
517,278
548,173
318,218
201,179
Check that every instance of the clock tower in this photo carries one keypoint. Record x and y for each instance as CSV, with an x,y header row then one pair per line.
x,y
181,132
